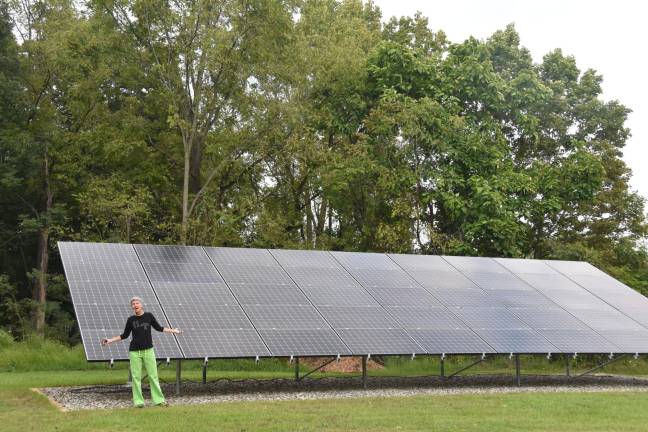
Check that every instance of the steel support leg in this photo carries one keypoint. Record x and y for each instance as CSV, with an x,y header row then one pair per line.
x,y
442,372
364,372
567,366
204,371
296,368
178,376
517,369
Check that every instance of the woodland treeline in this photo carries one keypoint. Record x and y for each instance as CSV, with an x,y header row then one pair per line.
x,y
294,124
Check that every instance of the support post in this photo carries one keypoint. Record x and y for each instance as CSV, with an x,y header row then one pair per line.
x,y
567,366
204,373
517,369
178,376
364,372
442,372
296,368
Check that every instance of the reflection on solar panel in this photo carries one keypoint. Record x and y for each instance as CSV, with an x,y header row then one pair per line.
x,y
235,303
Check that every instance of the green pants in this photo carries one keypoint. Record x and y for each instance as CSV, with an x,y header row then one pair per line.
x,y
145,358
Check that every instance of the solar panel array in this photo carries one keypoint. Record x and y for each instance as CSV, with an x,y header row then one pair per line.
x,y
236,303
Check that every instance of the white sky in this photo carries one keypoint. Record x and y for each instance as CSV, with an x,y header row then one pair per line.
x,y
608,36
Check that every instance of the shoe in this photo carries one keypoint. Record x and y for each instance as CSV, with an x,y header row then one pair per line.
x,y
139,406
162,404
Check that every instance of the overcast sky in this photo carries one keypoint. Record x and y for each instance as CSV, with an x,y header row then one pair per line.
x,y
608,36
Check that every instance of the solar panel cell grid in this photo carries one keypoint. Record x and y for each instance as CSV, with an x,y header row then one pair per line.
x,y
426,318
182,272
573,267
526,266
432,263
490,318
269,294
207,317
171,254
524,341
550,282
379,341
193,294
628,341
475,264
368,261
310,259
549,318
357,317
322,342
384,278
100,292
112,316
606,320
442,280
339,297
578,341
164,344
285,317
403,297
498,281
450,341
466,298
322,277
220,343
224,257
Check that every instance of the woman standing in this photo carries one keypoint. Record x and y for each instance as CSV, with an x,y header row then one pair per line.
x,y
141,352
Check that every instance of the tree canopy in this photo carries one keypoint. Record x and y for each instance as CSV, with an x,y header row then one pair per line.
x,y
295,124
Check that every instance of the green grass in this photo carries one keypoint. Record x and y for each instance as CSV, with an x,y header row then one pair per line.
x,y
23,410
40,363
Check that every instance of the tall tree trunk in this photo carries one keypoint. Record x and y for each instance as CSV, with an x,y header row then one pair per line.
x,y
185,195
39,292
195,162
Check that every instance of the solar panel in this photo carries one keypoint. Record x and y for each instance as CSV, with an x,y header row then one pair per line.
x,y
222,343
432,263
466,298
235,302
172,254
285,343
255,275
403,296
628,340
548,318
606,320
164,344
490,318
183,293
285,317
322,277
450,341
548,282
442,280
99,292
521,341
99,316
574,300
438,318
357,317
578,341
573,267
224,257
475,264
498,281
366,261
192,317
102,278
526,266
517,298
301,258
384,279
379,341
339,297
269,294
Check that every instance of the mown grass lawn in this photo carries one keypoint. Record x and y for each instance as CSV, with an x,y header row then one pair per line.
x,y
23,410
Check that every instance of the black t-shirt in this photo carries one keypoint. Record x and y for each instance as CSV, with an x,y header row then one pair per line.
x,y
140,326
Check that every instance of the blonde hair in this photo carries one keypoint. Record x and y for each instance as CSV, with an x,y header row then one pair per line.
x,y
135,298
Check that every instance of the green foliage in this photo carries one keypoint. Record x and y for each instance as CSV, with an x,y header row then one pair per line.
x,y
295,124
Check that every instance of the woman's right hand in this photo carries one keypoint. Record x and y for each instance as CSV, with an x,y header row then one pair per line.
x,y
105,341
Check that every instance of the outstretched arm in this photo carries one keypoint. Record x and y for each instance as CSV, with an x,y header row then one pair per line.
x,y
159,328
127,332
